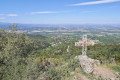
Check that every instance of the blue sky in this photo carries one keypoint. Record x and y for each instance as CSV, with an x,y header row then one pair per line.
x,y
60,11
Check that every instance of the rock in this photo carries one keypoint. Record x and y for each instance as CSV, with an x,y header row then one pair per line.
x,y
118,74
93,66
74,78
94,73
44,78
112,79
87,63
97,62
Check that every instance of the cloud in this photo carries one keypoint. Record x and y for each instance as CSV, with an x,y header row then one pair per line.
x,y
95,2
8,15
12,15
2,17
87,11
46,12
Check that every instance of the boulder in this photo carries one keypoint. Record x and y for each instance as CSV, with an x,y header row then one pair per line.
x,y
87,64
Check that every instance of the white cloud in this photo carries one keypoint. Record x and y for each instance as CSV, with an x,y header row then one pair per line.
x,y
8,15
46,12
95,2
12,15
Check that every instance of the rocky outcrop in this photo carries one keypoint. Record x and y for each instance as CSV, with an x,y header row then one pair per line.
x,y
87,63
93,66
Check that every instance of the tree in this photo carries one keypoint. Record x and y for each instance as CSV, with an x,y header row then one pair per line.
x,y
15,49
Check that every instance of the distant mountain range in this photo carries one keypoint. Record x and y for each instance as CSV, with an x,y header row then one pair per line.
x,y
58,26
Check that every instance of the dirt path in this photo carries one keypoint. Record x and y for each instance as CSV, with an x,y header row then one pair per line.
x,y
105,72
82,77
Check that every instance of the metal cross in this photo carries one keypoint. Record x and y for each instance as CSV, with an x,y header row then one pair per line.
x,y
83,43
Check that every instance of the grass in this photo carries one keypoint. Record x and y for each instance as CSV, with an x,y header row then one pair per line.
x,y
116,68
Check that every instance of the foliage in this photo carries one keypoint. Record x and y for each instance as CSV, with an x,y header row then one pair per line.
x,y
45,56
105,53
15,48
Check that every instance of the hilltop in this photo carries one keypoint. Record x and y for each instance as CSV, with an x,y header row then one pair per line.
x,y
45,55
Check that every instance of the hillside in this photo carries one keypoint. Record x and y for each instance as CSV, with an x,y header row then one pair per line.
x,y
46,56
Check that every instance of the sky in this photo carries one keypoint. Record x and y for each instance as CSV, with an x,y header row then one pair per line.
x,y
60,11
